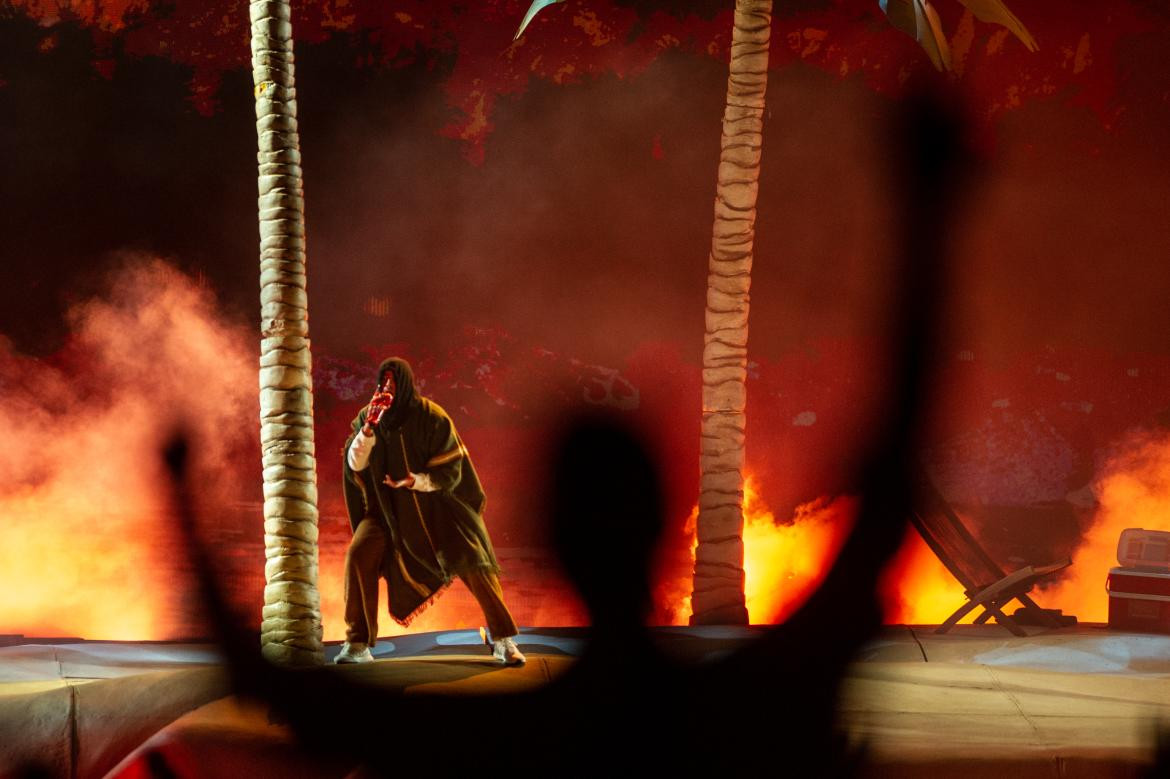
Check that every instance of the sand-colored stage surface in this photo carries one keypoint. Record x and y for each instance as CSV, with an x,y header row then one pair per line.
x,y
1078,702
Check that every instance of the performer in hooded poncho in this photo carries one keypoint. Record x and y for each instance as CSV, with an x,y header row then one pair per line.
x,y
416,508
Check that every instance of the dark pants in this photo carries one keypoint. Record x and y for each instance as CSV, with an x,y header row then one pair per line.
x,y
363,566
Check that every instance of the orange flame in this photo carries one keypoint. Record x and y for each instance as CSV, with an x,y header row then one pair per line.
x,y
1133,490
785,563
917,589
679,590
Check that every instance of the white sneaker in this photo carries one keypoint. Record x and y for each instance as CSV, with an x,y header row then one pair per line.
x,y
357,652
506,651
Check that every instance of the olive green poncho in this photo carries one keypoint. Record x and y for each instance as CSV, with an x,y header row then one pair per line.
x,y
433,536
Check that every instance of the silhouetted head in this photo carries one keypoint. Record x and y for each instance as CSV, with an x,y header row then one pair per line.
x,y
606,509
404,395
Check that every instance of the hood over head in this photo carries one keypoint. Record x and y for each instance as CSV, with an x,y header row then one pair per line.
x,y
405,398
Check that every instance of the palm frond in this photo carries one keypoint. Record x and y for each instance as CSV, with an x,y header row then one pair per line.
x,y
536,7
995,12
918,18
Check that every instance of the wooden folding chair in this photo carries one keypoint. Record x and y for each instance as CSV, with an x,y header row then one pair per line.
x,y
986,585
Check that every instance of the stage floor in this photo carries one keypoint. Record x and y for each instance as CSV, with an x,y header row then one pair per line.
x,y
1081,701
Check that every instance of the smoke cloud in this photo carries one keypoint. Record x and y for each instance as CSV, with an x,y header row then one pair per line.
x,y
85,547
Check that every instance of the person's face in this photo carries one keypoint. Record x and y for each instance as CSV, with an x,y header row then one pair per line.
x,y
389,387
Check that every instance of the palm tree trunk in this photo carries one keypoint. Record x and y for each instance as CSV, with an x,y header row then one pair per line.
x,y
718,596
290,633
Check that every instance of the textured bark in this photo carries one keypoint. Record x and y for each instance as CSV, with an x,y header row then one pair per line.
x,y
718,594
290,633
